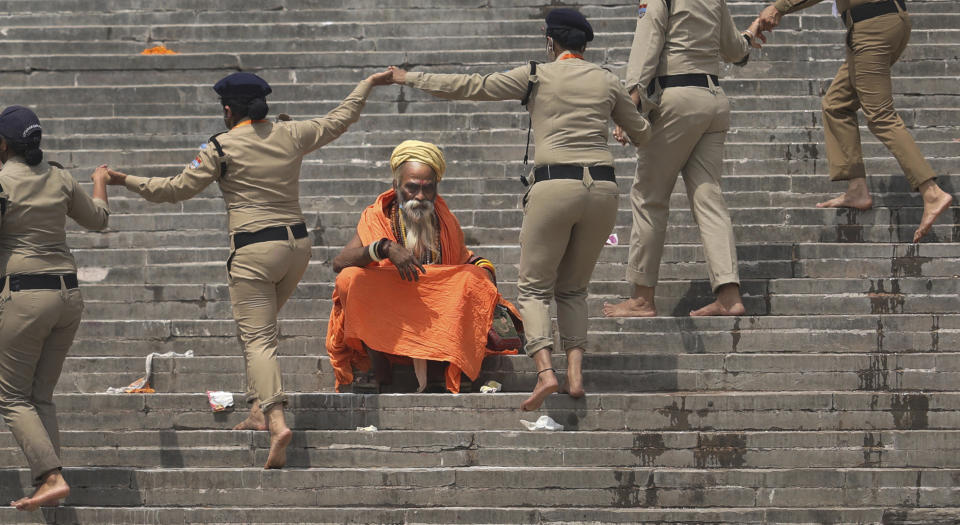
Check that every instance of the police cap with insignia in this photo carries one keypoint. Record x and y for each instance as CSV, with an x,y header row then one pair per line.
x,y
242,86
569,27
20,127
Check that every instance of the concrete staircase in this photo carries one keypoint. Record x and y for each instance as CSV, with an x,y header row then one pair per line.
x,y
833,401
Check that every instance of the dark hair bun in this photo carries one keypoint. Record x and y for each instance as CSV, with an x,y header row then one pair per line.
x,y
258,109
33,156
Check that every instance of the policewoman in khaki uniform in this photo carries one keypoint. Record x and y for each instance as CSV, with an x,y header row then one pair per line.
x,y
877,34
257,166
40,304
672,72
571,208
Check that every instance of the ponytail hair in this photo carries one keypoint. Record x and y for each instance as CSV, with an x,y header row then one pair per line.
x,y
28,148
255,108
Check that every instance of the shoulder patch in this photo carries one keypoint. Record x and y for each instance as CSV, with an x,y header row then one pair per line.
x,y
642,10
196,162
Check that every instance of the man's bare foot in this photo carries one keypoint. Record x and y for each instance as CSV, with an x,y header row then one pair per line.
x,y
278,449
716,308
848,201
546,385
255,421
575,373
933,205
634,307
53,489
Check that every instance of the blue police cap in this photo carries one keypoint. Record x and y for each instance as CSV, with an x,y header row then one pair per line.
x,y
563,17
17,123
243,86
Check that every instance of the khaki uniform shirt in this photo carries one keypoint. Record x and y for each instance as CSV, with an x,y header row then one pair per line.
x,y
570,107
789,6
261,186
33,237
692,38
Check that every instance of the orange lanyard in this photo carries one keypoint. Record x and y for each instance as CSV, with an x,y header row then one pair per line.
x,y
567,55
247,123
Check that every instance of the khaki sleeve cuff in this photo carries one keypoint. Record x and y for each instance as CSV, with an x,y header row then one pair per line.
x,y
782,5
134,183
363,89
413,79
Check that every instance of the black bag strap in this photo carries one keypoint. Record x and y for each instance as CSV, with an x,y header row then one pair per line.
x,y
219,148
526,100
3,203
55,164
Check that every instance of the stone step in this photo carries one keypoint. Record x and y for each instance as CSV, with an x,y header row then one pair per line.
x,y
720,411
443,449
531,487
612,373
228,515
882,333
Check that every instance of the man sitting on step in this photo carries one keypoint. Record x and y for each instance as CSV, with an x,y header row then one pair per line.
x,y
408,287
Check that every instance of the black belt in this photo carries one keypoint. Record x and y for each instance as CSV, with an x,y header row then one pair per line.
x,y
686,79
868,11
570,171
41,281
274,233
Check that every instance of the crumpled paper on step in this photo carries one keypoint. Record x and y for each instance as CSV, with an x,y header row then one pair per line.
x,y
142,385
542,423
219,400
490,387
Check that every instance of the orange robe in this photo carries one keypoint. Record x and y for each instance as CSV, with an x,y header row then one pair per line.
x,y
445,316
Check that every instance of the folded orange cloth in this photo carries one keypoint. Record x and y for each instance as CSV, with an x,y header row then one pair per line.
x,y
158,50
445,316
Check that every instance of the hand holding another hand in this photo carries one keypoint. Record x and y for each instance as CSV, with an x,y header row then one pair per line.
x,y
384,78
399,74
101,175
769,18
116,178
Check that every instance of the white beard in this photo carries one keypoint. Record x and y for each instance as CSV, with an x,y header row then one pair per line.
x,y
418,219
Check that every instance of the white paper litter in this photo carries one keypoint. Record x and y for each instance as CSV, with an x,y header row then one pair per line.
x,y
219,400
370,428
145,380
490,387
543,423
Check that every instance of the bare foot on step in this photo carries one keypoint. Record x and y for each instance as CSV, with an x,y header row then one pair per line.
x,y
546,385
48,494
635,307
278,449
717,309
932,208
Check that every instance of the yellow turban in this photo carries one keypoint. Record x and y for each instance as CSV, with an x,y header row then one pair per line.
x,y
419,151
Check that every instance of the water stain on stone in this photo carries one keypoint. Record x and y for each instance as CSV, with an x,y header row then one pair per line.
x,y
935,334
735,333
647,448
679,415
876,375
910,411
909,265
852,231
872,450
720,450
955,232
883,301
626,493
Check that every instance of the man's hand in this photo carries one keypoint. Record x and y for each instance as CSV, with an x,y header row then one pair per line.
x,y
101,175
384,78
619,136
399,75
757,38
116,178
769,18
406,263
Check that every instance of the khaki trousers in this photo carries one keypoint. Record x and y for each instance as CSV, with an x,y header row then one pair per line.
x,y
262,277
863,81
565,225
36,331
689,129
